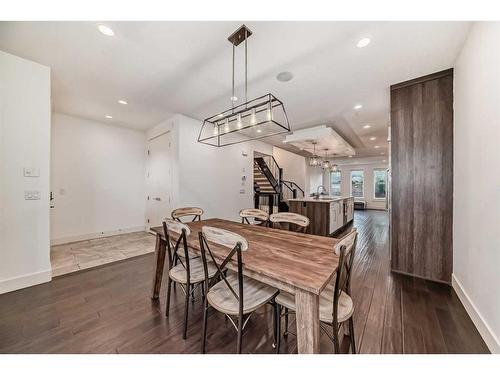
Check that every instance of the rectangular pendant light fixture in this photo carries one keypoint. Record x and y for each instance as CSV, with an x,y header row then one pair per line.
x,y
258,118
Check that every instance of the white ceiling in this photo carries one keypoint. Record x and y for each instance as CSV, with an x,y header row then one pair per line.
x,y
162,68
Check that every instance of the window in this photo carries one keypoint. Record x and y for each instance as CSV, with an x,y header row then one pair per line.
x,y
379,183
335,179
357,184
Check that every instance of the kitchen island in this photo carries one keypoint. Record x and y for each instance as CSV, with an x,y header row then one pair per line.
x,y
327,215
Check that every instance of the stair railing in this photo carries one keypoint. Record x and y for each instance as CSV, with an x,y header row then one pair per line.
x,y
271,171
290,190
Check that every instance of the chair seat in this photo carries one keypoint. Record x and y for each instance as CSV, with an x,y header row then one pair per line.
x,y
197,274
255,295
345,308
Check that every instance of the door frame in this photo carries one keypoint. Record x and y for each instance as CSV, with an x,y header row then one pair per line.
x,y
169,180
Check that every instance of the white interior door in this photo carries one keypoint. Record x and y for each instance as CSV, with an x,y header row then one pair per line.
x,y
159,179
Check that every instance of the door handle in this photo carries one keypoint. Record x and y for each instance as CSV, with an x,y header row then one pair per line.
x,y
157,199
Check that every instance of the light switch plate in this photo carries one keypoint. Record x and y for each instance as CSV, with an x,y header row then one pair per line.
x,y
32,195
31,172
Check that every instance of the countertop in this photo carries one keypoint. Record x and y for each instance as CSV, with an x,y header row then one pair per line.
x,y
322,200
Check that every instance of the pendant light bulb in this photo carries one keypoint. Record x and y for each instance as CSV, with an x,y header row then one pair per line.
x,y
226,126
238,121
269,113
253,117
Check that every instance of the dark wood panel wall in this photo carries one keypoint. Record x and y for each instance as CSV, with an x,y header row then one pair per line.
x,y
422,176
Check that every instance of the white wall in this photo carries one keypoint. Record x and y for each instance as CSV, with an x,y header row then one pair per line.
x,y
207,176
97,177
345,185
314,178
294,166
24,142
476,208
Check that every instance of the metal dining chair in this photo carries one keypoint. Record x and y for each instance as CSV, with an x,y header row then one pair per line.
x,y
190,273
258,216
335,303
294,222
179,213
235,295
182,212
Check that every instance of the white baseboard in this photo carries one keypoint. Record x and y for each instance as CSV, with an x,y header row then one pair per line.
x,y
25,281
91,236
482,326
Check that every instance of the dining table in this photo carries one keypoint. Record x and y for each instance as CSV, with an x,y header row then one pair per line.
x,y
298,263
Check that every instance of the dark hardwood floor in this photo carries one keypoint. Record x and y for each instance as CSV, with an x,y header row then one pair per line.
x,y
108,310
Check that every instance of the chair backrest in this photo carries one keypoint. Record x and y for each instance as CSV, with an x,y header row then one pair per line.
x,y
349,241
179,213
343,276
299,221
230,240
183,231
253,213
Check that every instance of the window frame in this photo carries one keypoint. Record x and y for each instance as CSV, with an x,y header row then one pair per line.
x,y
340,184
374,181
350,182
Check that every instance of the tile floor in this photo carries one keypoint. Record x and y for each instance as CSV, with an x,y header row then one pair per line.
x,y
75,256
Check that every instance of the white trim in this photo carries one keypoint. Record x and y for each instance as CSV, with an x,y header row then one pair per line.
x,y
24,281
91,236
482,326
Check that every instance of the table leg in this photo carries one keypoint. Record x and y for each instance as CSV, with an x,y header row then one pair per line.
x,y
160,250
307,305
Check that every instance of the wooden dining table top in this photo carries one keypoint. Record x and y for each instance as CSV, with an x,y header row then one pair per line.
x,y
302,261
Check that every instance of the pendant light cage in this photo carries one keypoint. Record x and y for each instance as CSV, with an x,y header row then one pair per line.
x,y
314,161
258,118
255,119
325,164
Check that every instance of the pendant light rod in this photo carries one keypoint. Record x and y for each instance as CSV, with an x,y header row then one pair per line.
x,y
246,66
240,35
252,119
232,97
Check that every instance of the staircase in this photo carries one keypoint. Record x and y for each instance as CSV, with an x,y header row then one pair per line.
x,y
271,191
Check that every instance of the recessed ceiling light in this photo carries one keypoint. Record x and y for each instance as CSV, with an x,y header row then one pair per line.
x,y
367,126
106,30
363,42
373,138
350,156
377,146
259,130
358,106
108,116
284,76
122,102
234,98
